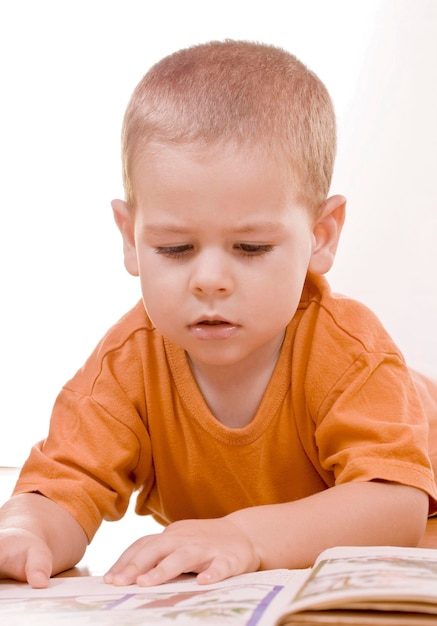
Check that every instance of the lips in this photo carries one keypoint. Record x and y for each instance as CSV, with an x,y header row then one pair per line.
x,y
211,320
213,328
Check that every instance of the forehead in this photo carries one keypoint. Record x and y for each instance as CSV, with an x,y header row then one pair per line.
x,y
186,170
178,190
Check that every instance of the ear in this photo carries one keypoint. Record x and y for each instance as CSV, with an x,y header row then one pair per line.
x,y
326,232
124,220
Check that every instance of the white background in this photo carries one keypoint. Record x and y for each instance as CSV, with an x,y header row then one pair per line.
x,y
67,71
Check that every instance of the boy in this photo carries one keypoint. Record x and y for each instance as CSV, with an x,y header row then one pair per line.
x,y
261,417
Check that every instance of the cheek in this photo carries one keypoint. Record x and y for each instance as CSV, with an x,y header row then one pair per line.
x,y
156,292
160,294
276,301
158,309
282,293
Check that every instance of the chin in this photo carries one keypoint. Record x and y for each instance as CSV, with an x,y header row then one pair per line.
x,y
215,357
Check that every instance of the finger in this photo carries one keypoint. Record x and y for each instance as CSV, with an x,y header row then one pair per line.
x,y
116,570
38,579
135,559
38,568
178,562
126,576
218,569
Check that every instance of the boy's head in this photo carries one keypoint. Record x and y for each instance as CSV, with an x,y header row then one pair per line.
x,y
250,96
228,153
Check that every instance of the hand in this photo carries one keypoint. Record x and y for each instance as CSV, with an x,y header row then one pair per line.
x,y
214,549
25,557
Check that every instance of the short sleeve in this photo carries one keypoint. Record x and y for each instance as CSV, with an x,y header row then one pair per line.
x,y
98,450
371,426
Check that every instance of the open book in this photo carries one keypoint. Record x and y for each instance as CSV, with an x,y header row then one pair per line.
x,y
379,585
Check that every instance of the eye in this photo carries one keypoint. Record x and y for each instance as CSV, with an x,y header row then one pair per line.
x,y
174,252
253,249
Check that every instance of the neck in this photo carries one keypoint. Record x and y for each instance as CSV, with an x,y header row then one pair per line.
x,y
233,392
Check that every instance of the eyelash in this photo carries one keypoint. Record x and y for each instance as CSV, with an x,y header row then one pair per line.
x,y
245,249
174,252
253,249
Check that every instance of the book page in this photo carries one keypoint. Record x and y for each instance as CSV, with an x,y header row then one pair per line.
x,y
249,600
384,578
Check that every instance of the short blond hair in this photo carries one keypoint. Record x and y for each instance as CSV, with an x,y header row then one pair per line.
x,y
240,93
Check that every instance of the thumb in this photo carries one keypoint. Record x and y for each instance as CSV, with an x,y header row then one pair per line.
x,y
38,568
219,568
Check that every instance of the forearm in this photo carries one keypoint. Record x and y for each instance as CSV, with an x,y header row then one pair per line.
x,y
289,535
45,519
293,534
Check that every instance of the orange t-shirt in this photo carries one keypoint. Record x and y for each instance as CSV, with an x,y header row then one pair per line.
x,y
341,406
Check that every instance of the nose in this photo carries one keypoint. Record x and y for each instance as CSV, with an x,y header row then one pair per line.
x,y
211,274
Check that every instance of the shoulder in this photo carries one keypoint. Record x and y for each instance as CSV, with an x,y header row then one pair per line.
x,y
336,320
122,354
341,346
132,326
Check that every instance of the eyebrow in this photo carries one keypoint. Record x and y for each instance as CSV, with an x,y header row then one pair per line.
x,y
247,228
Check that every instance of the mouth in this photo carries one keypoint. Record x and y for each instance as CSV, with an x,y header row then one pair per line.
x,y
213,328
212,321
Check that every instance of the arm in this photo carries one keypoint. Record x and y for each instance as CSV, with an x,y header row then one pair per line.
x,y
289,535
358,513
38,538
